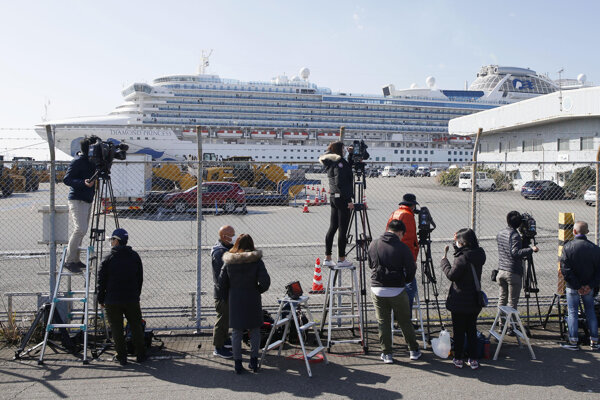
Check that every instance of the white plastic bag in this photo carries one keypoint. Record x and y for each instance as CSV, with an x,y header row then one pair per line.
x,y
441,345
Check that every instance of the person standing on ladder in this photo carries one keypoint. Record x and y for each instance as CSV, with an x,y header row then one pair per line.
x,y
221,339
406,214
392,265
580,266
120,280
339,173
80,198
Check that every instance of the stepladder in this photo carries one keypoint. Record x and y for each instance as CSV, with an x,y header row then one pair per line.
x,y
342,306
71,297
291,320
511,318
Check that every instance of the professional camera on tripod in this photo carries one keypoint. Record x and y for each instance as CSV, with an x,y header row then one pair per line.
x,y
358,154
102,153
528,231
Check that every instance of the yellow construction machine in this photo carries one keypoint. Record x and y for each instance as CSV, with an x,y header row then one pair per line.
x,y
241,170
170,176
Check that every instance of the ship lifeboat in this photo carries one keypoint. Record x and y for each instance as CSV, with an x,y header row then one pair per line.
x,y
192,132
459,140
234,133
329,136
259,135
295,135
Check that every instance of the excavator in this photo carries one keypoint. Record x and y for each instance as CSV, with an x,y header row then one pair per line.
x,y
7,184
241,170
170,176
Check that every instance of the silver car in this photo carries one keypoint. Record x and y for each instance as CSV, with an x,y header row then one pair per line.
x,y
590,196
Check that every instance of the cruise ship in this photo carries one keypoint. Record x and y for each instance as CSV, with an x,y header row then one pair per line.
x,y
292,120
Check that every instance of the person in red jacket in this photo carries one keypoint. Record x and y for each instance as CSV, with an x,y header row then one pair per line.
x,y
406,214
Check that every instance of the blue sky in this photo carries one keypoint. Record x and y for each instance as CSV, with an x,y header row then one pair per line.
x,y
80,54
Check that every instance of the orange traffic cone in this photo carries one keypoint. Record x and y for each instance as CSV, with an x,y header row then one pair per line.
x,y
317,286
305,209
324,197
317,199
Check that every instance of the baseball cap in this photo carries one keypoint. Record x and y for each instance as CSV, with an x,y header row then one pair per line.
x,y
120,234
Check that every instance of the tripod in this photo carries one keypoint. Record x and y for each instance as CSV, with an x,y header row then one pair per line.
x,y
359,222
428,278
530,281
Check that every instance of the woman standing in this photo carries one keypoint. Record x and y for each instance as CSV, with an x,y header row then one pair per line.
x,y
462,298
244,277
339,172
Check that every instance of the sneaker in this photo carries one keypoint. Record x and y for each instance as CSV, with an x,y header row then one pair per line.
x,y
594,346
141,358
121,360
222,352
474,364
227,344
570,346
415,355
457,363
387,358
328,263
75,267
344,263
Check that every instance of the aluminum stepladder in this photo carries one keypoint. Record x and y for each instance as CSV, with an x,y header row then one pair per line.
x,y
421,330
279,321
335,309
511,318
68,297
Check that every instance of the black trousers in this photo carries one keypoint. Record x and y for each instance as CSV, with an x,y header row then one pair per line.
x,y
339,219
465,324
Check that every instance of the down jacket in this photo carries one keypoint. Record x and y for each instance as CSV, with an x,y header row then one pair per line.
x,y
392,264
462,296
244,277
339,173
80,169
511,251
120,277
580,263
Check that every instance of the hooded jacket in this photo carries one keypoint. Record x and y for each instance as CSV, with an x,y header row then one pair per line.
x,y
243,278
339,173
392,264
511,251
462,296
80,169
120,277
407,216
580,263
216,255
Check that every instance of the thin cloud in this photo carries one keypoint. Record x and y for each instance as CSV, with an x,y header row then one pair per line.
x,y
357,18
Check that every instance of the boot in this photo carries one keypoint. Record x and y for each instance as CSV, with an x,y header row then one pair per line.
x,y
239,368
253,366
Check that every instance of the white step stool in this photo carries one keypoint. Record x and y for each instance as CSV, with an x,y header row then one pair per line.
x,y
512,318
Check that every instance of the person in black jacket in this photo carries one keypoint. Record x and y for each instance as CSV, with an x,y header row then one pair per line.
x,y
392,266
244,277
510,261
221,329
120,280
462,298
80,199
339,173
580,266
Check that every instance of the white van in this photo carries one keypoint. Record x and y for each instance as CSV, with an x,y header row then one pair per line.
x,y
483,182
389,171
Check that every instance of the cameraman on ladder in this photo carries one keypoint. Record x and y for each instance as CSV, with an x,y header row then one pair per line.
x,y
81,197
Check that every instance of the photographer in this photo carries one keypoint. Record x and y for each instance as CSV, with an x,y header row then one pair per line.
x,y
406,214
392,265
80,198
339,173
510,260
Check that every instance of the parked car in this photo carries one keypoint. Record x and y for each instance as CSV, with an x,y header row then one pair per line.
x,y
435,171
389,172
590,195
483,181
542,190
372,173
422,171
407,172
228,197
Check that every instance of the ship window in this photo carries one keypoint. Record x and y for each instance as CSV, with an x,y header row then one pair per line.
x,y
426,159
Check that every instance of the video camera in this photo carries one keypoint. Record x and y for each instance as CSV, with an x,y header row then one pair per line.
x,y
425,220
359,150
528,227
103,153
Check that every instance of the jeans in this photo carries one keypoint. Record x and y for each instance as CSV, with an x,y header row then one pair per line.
x,y
411,290
383,310
339,220
133,313
464,324
590,315
80,215
510,288
221,329
236,342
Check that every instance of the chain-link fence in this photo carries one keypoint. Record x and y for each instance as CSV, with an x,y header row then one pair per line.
x,y
285,209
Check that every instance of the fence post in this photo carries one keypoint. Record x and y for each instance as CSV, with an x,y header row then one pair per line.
x,y
52,244
474,182
199,232
597,216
